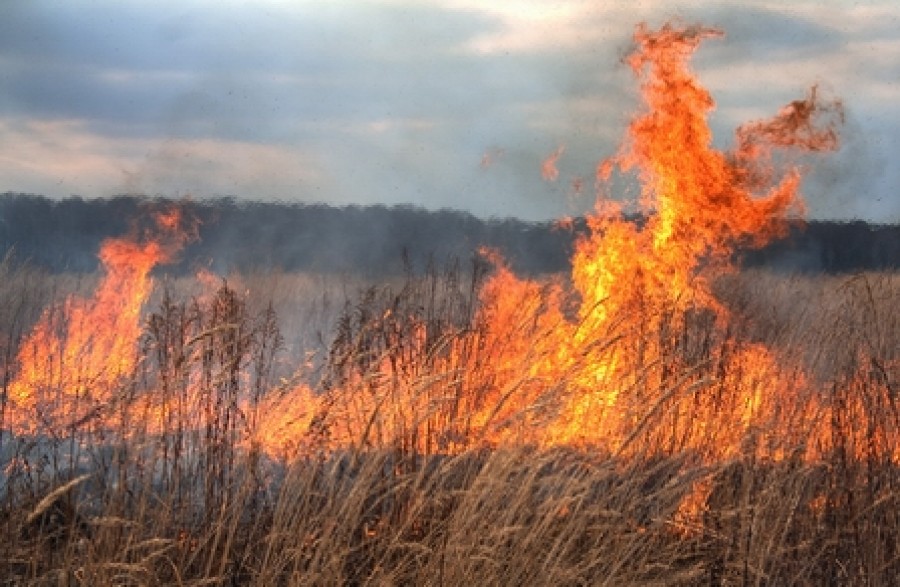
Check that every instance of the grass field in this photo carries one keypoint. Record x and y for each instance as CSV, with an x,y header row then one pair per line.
x,y
114,499
654,417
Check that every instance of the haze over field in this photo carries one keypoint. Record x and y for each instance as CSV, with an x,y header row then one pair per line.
x,y
444,104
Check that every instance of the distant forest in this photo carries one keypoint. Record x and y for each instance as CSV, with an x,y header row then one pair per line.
x,y
65,235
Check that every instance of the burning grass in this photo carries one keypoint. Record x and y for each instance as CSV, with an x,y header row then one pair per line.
x,y
426,494
655,417
188,494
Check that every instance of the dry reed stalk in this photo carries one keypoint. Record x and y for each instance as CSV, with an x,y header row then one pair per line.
x,y
51,498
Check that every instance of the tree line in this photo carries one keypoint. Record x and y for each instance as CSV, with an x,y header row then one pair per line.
x,y
65,235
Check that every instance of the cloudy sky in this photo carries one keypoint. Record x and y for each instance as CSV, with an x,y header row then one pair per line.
x,y
438,103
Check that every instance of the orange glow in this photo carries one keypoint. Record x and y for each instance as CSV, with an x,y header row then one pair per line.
x,y
287,423
642,286
631,354
549,170
71,363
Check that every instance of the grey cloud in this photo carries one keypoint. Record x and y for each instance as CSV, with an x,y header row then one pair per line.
x,y
107,63
859,181
385,96
755,33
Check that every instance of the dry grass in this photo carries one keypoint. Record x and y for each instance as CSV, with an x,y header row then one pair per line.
x,y
192,505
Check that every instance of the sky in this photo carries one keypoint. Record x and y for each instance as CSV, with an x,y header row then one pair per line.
x,y
435,103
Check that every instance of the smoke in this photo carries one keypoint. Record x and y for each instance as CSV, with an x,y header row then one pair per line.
x,y
857,182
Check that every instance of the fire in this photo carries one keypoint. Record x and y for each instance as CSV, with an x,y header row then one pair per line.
x,y
633,363
71,363
549,170
630,354
642,286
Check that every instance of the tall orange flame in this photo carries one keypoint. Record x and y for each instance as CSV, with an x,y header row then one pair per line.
x,y
635,353
629,354
642,286
70,363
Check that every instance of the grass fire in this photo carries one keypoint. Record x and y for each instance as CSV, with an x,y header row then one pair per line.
x,y
658,414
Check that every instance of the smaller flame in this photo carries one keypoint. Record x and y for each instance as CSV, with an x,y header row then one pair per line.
x,y
71,362
549,170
